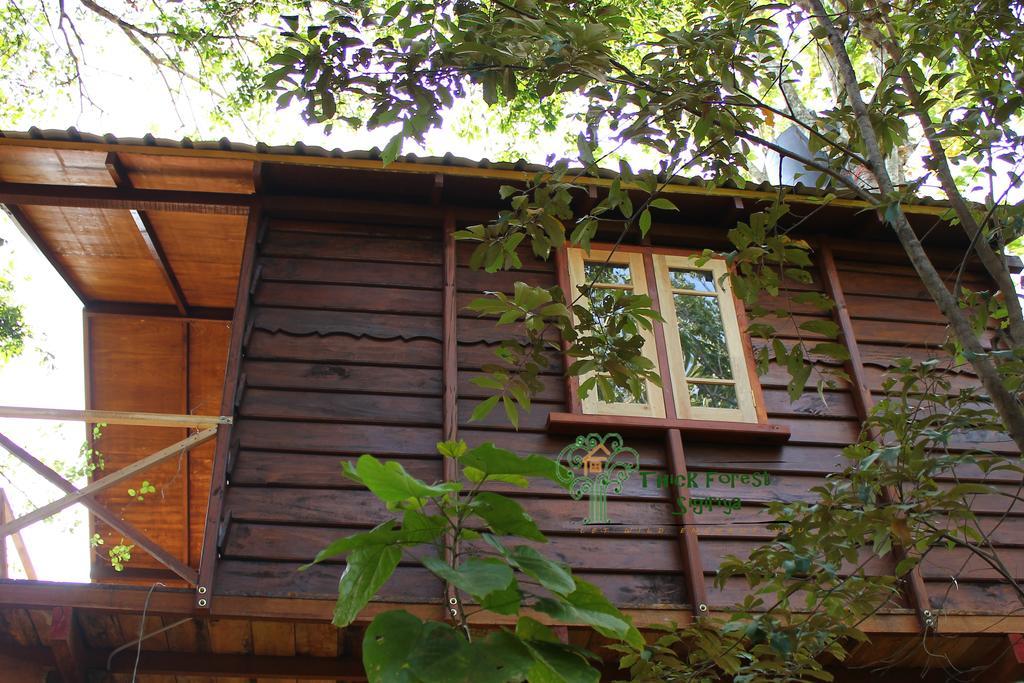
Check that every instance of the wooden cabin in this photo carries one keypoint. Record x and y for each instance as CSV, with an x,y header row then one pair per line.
x,y
317,299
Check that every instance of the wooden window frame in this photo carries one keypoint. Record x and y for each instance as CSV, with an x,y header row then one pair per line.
x,y
649,268
591,405
739,362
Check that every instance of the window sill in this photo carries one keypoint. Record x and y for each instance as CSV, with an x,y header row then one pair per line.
x,y
702,430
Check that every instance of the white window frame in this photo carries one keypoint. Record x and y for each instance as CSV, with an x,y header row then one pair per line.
x,y
591,404
741,380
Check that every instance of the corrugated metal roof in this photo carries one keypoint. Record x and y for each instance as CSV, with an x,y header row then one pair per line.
x,y
300,149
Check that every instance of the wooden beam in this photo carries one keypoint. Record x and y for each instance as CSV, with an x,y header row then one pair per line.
x,y
114,417
706,430
133,310
475,172
450,382
232,372
31,233
437,191
863,402
147,232
692,564
3,542
101,511
106,482
66,645
6,515
128,599
85,197
242,666
693,567
371,210
572,382
450,360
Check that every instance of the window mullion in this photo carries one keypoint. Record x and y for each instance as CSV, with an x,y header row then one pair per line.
x,y
664,360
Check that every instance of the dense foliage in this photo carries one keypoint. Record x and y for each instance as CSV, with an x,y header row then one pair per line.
x,y
892,99
471,538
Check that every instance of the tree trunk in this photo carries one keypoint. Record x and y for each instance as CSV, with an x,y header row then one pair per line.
x,y
1005,403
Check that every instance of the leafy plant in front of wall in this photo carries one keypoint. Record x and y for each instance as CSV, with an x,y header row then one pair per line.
x,y
139,494
119,554
89,459
472,538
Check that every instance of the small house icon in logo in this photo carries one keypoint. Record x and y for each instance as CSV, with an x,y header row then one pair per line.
x,y
593,462
603,465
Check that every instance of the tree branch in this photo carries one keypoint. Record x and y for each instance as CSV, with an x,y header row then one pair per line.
x,y
1005,403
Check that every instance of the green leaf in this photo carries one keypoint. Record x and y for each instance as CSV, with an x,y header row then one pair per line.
x,y
367,569
662,203
823,327
552,575
381,535
510,411
442,654
588,605
505,516
399,648
645,222
386,647
492,460
500,657
452,449
392,149
558,663
478,577
832,350
484,408
476,476
505,601
392,484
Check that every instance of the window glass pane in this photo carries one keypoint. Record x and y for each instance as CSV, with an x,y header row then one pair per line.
x,y
610,274
696,280
713,396
702,336
620,395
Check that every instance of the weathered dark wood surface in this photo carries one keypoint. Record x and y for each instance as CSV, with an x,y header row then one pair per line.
x,y
345,355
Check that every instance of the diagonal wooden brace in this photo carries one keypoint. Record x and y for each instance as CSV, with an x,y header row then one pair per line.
x,y
84,496
103,513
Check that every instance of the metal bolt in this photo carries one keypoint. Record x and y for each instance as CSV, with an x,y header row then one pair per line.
x,y
453,601
202,590
702,607
202,602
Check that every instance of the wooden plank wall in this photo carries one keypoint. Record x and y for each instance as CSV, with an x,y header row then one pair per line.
x,y
892,298
156,365
344,356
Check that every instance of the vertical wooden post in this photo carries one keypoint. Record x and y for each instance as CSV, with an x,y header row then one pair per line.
x,y
449,382
7,515
863,402
572,384
218,476
187,455
692,565
67,648
3,541
450,340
